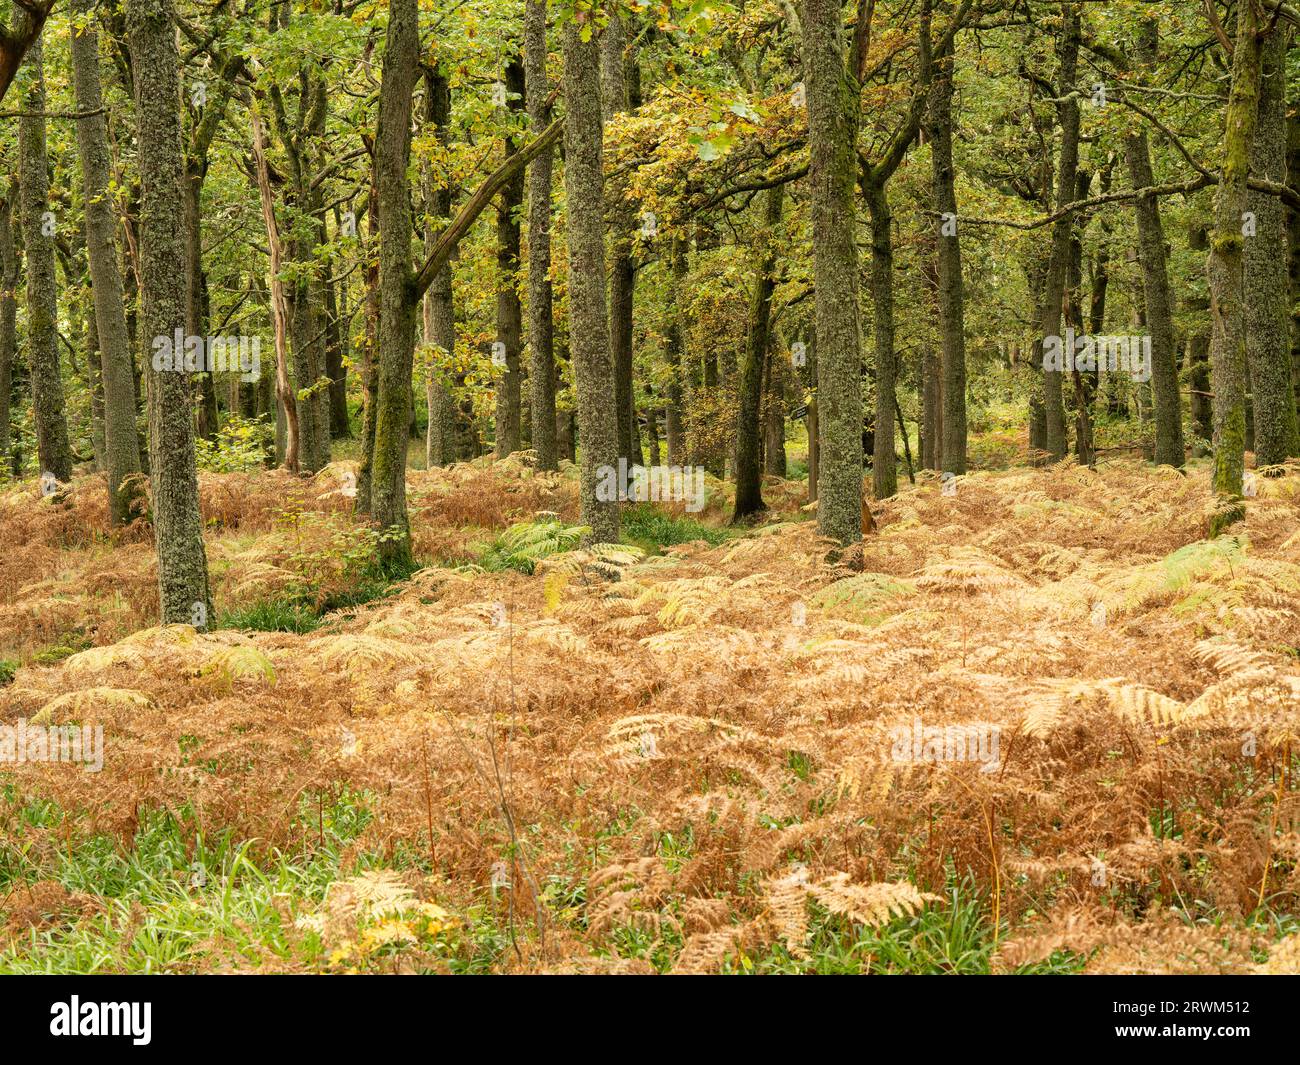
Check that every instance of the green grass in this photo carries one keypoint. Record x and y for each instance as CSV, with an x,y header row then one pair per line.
x,y
177,901
955,937
652,529
271,615
8,670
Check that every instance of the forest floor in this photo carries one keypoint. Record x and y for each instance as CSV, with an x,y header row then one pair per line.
x,y
713,749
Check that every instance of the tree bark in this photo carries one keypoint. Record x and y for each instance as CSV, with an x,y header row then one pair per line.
x,y
121,447
884,465
184,592
8,318
541,322
288,401
617,76
396,295
42,294
1267,299
1066,174
749,423
439,306
509,317
832,95
1224,272
952,395
593,369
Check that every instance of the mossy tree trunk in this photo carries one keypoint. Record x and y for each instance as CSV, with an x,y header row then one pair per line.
x,y
39,226
951,452
396,297
1054,442
1155,284
178,526
1267,299
619,83
8,316
832,93
1224,272
121,446
593,369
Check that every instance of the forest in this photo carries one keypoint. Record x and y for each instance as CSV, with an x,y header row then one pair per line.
x,y
649,486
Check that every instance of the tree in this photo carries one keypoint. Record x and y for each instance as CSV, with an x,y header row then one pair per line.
x,y
439,308
178,526
39,224
593,368
749,425
1265,286
509,315
1224,272
541,325
1155,285
23,35
832,95
117,370
948,266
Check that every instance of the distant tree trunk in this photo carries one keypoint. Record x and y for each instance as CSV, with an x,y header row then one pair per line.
x,y
284,391
8,318
952,455
439,305
1224,271
1155,287
178,526
369,356
335,365
832,95
509,318
593,369
616,64
1067,166
42,294
884,466
1267,300
396,306
749,422
541,325
1084,444
121,446
674,421
774,416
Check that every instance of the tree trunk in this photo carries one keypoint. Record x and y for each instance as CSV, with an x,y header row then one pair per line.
x,y
121,447
8,320
509,320
884,466
1224,272
1054,442
284,391
832,95
396,293
674,420
42,294
1267,299
593,370
617,77
952,454
439,305
774,415
541,323
749,422
178,526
